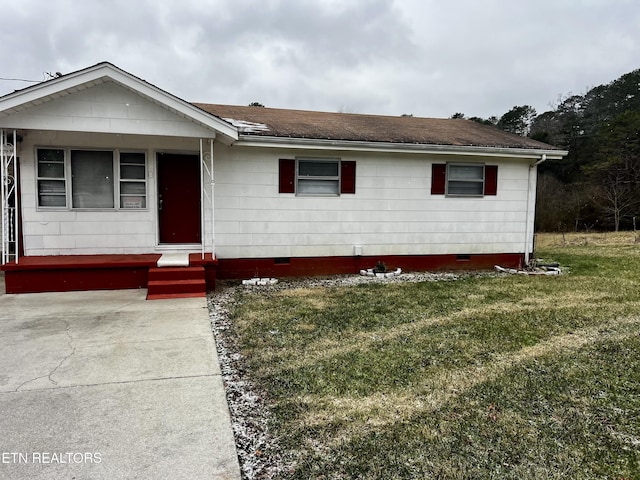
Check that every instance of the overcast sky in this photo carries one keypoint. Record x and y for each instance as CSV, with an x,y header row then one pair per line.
x,y
425,57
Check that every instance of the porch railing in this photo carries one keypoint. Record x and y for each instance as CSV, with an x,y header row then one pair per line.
x,y
9,195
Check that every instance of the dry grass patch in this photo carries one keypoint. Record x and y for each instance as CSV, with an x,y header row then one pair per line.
x,y
491,377
545,240
438,390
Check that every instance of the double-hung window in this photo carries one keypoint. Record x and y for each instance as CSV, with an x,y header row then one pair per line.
x,y
52,188
91,179
464,179
133,185
318,177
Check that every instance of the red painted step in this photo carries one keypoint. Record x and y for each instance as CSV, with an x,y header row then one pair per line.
x,y
176,282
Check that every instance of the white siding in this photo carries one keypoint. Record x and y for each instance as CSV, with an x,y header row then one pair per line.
x,y
392,212
106,108
67,231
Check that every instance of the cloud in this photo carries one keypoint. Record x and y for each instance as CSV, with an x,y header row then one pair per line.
x,y
425,57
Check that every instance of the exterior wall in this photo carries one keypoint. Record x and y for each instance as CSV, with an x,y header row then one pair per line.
x,y
391,213
105,108
51,231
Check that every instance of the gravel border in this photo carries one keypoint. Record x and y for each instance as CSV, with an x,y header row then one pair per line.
x,y
247,403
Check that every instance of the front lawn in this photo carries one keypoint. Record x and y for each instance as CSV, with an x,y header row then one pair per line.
x,y
479,377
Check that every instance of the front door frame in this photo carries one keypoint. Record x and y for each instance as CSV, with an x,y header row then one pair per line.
x,y
163,244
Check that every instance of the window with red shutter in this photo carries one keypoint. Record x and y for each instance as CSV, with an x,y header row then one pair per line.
x,y
317,176
464,179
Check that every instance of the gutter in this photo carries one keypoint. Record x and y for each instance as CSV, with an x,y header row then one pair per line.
x,y
388,147
542,160
527,230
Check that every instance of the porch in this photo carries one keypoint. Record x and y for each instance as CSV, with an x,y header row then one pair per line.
x,y
63,273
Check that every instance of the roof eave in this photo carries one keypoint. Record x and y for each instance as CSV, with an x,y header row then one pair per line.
x,y
59,87
388,147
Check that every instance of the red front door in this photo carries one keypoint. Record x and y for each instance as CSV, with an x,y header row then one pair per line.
x,y
179,198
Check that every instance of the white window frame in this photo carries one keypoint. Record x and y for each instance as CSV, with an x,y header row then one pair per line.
x,y
327,178
62,179
449,179
68,184
132,196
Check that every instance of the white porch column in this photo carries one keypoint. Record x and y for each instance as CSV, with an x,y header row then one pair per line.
x,y
206,165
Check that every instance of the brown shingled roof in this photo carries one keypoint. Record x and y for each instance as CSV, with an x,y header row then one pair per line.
x,y
260,121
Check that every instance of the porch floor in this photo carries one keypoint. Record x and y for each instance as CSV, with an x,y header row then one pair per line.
x,y
81,261
62,273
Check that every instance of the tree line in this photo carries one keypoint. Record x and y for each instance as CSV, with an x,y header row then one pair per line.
x,y
597,186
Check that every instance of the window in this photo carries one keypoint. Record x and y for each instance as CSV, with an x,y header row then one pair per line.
x,y
51,178
317,177
91,179
133,186
464,180
97,179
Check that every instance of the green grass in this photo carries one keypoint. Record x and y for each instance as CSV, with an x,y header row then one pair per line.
x,y
483,377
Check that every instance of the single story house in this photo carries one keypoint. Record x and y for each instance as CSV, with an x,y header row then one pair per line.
x,y
112,182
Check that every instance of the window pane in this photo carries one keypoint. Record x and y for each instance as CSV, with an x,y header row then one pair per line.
x,y
51,193
132,188
50,155
51,170
52,200
136,158
466,172
92,179
318,187
317,169
51,186
464,188
131,201
132,171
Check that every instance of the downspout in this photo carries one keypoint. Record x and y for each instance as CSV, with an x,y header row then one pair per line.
x,y
527,230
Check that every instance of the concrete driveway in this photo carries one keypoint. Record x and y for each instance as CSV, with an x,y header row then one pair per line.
x,y
107,385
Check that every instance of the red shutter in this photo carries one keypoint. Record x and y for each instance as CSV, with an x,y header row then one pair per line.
x,y
490,179
347,177
438,178
287,176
